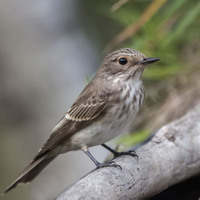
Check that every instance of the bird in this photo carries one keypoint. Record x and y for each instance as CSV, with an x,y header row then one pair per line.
x,y
106,108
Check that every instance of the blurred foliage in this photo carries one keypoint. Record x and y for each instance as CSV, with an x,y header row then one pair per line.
x,y
166,29
138,137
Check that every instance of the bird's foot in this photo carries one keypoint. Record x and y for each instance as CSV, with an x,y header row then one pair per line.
x,y
117,154
108,164
129,153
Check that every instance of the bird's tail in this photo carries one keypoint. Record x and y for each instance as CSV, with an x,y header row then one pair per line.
x,y
30,172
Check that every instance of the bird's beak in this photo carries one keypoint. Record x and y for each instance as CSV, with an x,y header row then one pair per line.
x,y
148,60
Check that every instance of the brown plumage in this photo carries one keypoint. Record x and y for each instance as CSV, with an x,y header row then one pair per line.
x,y
105,109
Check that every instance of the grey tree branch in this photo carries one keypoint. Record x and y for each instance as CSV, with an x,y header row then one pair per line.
x,y
171,156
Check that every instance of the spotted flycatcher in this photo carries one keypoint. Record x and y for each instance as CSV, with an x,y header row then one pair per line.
x,y
105,109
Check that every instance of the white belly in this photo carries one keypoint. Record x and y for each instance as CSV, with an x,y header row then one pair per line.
x,y
115,124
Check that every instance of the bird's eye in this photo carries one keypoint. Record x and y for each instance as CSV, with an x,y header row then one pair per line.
x,y
123,61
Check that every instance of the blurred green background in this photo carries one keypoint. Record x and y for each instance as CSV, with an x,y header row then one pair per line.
x,y
48,48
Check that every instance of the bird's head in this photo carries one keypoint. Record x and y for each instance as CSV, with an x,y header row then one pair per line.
x,y
125,63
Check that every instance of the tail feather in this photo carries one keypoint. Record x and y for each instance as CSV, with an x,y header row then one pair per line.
x,y
30,172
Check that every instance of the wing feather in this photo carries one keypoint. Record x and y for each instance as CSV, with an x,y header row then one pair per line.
x,y
85,112
80,115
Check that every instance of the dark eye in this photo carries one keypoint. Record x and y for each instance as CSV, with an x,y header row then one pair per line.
x,y
122,61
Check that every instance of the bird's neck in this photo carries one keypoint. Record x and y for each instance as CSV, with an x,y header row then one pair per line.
x,y
131,81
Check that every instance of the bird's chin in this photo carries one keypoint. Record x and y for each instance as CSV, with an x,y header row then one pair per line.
x,y
139,69
137,73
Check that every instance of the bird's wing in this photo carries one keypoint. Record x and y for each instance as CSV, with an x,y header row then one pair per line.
x,y
87,108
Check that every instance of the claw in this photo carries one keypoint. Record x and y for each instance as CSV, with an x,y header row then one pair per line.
x,y
117,154
129,153
108,164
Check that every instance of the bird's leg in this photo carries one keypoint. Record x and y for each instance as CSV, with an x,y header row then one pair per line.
x,y
117,154
98,164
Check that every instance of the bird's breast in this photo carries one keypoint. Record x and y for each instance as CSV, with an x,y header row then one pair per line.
x,y
127,105
117,120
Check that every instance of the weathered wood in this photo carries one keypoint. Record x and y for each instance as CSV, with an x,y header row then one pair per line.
x,y
172,156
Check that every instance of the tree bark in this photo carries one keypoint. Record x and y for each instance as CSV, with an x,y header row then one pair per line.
x,y
171,156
